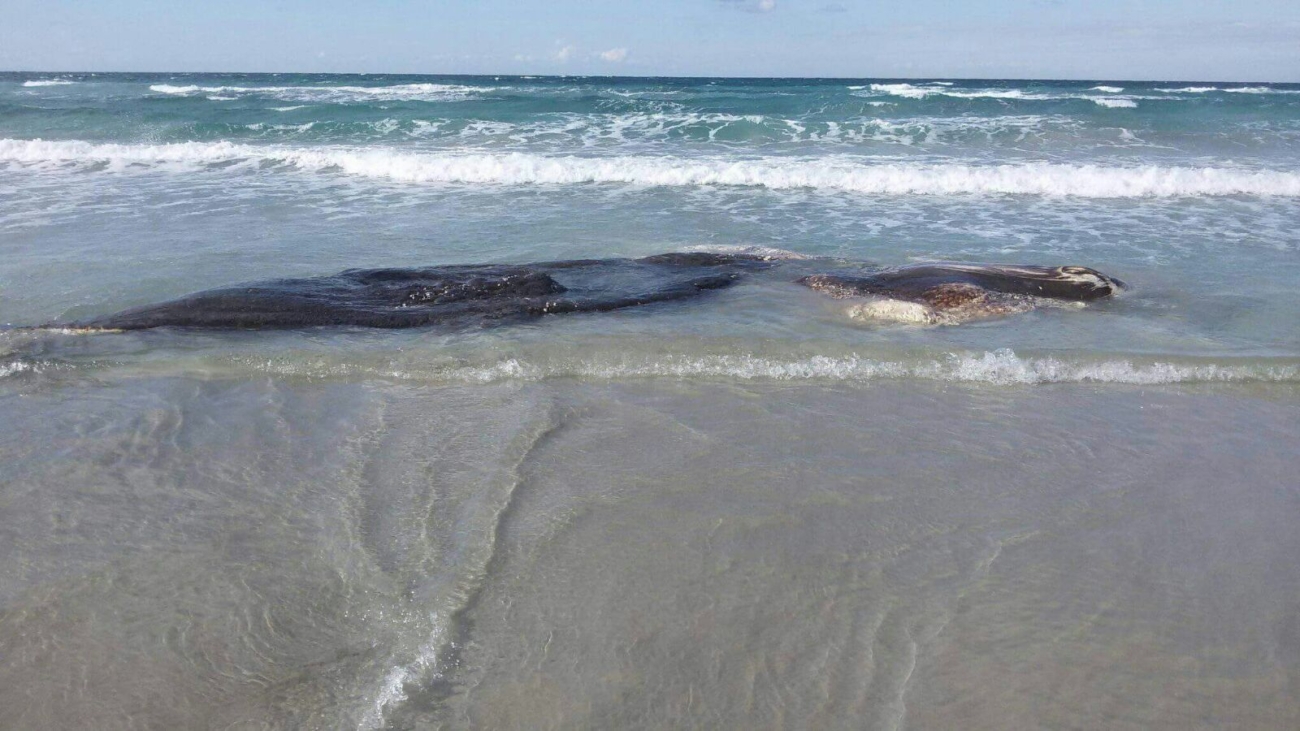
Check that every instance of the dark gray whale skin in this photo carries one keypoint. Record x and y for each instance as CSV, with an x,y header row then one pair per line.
x,y
455,296
932,283
490,294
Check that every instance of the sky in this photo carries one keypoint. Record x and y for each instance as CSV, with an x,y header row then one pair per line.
x,y
1184,40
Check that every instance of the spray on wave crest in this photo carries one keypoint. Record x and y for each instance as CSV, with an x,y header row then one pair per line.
x,y
838,173
334,94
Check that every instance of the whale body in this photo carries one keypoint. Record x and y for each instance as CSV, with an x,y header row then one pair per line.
x,y
487,294
471,295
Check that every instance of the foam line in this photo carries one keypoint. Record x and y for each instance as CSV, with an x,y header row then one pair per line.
x,y
1000,367
838,173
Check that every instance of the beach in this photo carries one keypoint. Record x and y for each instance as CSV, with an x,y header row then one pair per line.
x,y
749,510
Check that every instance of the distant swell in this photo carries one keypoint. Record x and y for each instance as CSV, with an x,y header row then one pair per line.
x,y
833,173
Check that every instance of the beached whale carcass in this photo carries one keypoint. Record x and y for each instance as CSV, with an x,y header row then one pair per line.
x,y
952,293
488,294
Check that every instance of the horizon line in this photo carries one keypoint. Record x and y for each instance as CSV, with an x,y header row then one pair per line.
x,y
658,76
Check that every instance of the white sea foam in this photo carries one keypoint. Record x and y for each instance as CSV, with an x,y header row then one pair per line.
x,y
839,173
333,94
392,690
48,82
766,252
264,127
997,94
182,90
904,90
1000,367
13,368
911,91
1229,90
593,131
1257,90
659,124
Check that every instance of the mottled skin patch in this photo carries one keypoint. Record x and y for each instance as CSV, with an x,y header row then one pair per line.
x,y
954,293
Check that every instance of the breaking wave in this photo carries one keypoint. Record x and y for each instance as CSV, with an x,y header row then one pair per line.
x,y
1228,90
1116,103
333,94
911,91
839,173
48,82
923,91
15,367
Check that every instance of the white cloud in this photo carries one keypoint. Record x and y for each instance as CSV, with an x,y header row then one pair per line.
x,y
564,53
751,6
614,55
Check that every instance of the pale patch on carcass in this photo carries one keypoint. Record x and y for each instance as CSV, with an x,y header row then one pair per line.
x,y
900,311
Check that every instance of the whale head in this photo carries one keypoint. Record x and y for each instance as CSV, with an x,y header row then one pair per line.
x,y
1091,281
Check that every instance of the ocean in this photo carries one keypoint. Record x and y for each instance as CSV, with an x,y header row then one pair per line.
x,y
749,510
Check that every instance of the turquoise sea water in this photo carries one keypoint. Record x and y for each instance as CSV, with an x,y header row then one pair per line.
x,y
750,510
125,189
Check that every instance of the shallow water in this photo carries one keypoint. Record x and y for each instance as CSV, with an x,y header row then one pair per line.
x,y
748,510
250,552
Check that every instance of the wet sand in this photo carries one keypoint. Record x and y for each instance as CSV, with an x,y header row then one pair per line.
x,y
653,553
